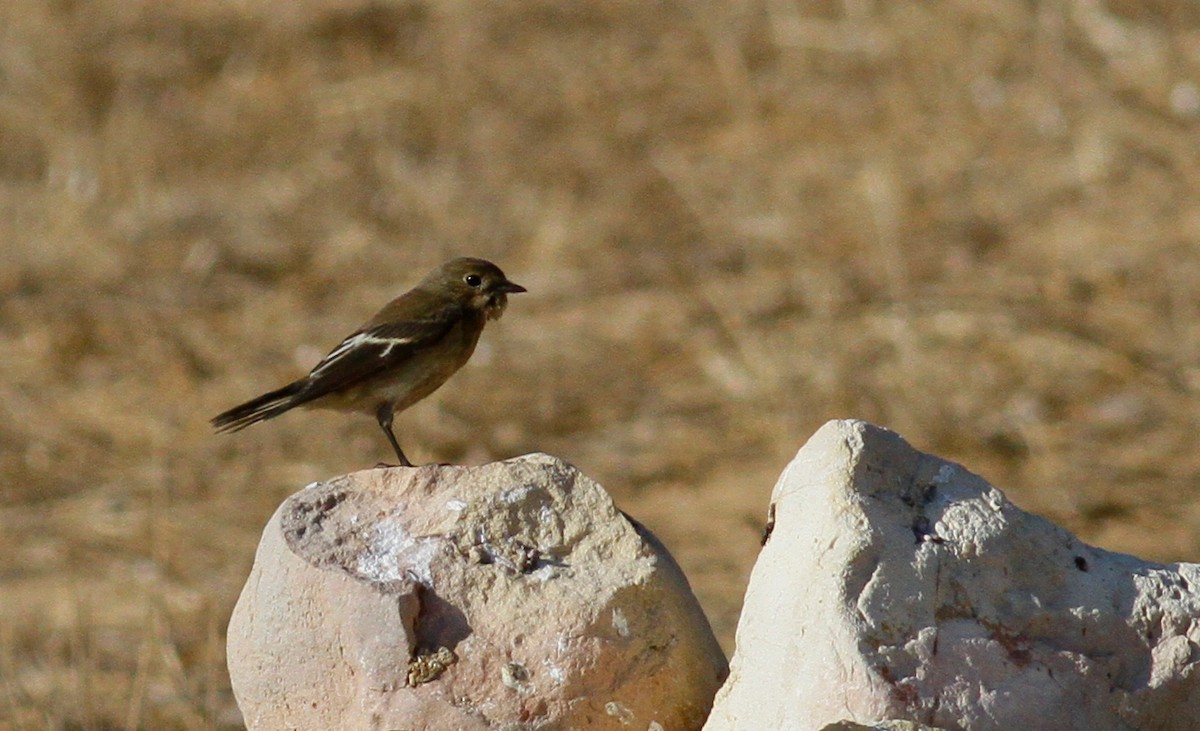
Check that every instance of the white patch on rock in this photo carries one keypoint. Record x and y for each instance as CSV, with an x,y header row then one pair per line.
x,y
619,623
556,673
392,555
517,494
620,712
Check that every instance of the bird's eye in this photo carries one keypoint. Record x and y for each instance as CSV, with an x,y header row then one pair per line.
x,y
473,280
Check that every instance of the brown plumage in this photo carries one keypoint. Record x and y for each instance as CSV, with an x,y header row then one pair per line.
x,y
399,356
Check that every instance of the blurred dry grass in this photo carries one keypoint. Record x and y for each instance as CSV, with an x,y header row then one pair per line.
x,y
974,222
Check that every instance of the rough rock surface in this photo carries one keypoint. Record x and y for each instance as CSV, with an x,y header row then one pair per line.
x,y
880,726
898,585
512,595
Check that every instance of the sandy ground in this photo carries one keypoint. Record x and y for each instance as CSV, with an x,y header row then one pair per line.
x,y
972,222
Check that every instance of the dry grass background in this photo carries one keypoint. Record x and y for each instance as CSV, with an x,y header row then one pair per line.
x,y
972,221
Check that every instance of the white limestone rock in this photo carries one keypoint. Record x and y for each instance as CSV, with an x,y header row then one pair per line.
x,y
889,725
897,585
508,596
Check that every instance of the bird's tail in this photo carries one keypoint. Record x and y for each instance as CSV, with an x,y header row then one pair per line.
x,y
267,406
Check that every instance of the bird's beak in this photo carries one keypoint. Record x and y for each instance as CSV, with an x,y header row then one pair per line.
x,y
510,287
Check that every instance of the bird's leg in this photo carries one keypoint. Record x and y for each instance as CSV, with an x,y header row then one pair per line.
x,y
384,415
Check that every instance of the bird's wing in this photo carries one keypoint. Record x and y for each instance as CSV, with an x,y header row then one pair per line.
x,y
377,348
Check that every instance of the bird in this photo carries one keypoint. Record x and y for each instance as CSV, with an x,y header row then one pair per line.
x,y
399,356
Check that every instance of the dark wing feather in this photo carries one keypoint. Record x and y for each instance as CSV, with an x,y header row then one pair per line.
x,y
390,338
373,350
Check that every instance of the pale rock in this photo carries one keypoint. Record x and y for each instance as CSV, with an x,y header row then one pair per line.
x,y
896,585
508,596
889,725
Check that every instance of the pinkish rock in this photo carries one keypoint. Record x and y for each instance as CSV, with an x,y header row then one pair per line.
x,y
509,596
897,585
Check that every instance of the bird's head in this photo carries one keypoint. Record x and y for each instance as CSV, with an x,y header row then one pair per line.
x,y
478,284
